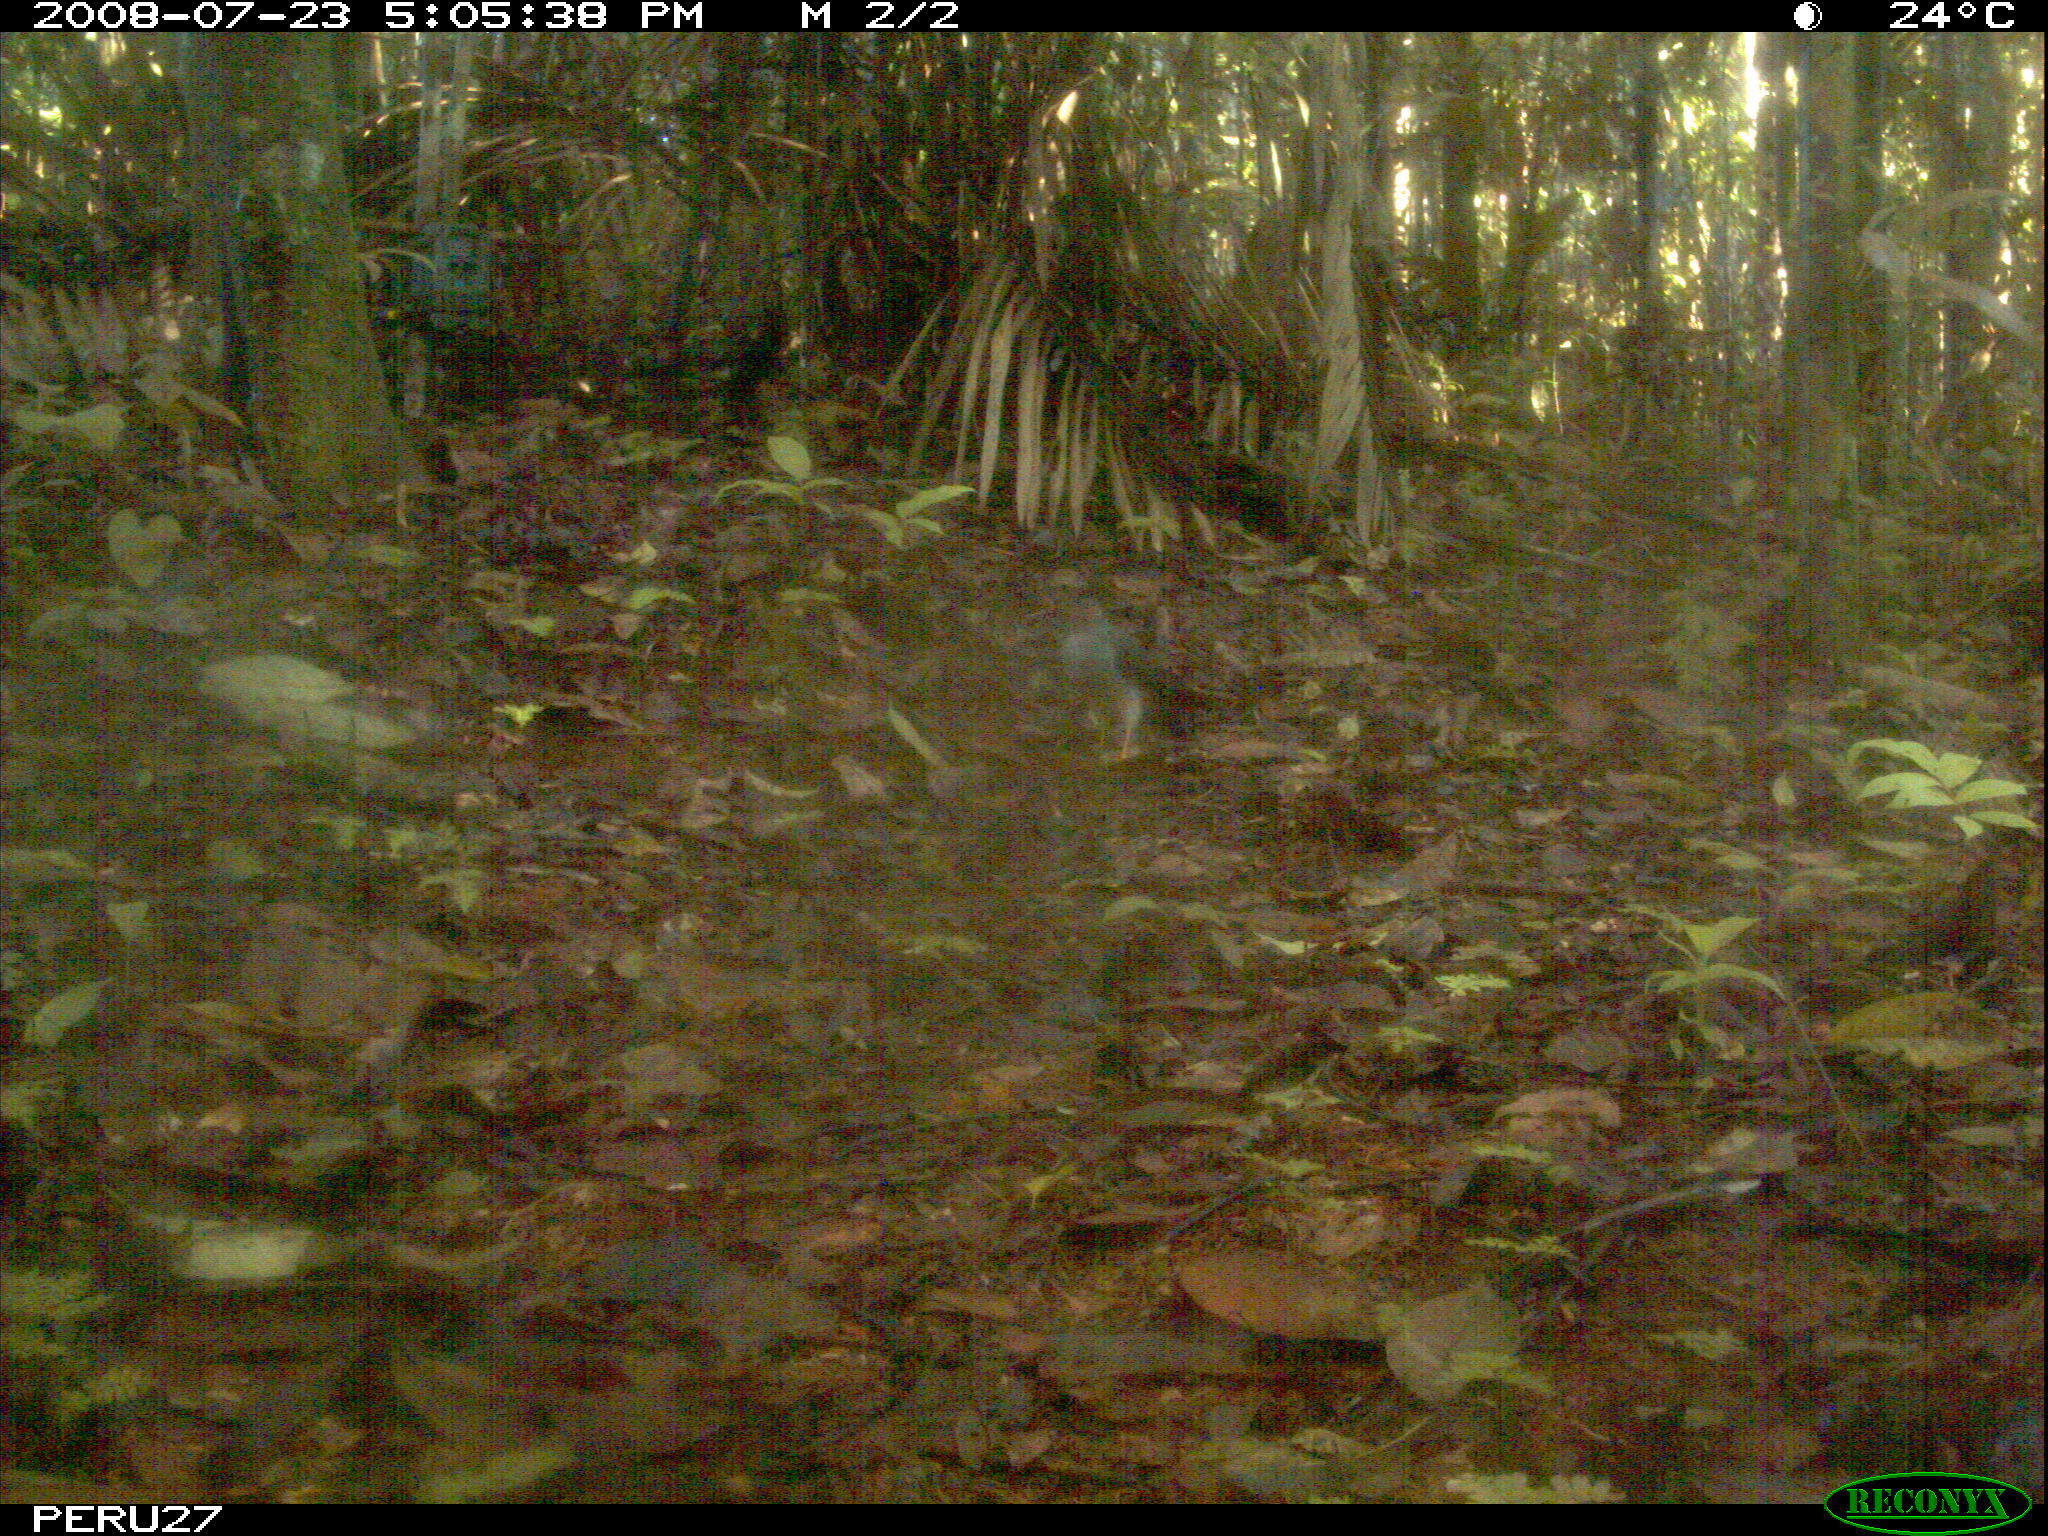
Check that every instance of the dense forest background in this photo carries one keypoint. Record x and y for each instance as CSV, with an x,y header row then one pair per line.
x,y
1257,273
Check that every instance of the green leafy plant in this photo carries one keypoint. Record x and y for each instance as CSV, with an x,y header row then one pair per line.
x,y
798,483
632,602
1699,943
449,858
903,524
1942,781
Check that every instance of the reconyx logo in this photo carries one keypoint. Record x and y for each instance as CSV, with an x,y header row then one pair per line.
x,y
1947,1503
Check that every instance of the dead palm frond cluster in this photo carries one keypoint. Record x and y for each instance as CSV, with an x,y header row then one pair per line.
x,y
1163,351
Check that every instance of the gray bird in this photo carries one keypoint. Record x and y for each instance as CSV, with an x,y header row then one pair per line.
x,y
1126,690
